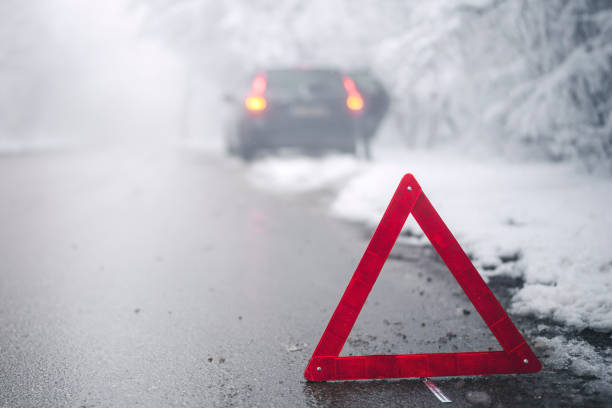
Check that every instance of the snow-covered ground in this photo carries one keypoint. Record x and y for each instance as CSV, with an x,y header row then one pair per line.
x,y
580,358
546,223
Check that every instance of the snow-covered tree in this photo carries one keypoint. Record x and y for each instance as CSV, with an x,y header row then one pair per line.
x,y
501,74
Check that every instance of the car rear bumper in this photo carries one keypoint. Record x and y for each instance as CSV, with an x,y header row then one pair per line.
x,y
260,133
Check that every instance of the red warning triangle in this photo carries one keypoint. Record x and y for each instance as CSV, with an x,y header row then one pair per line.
x,y
326,364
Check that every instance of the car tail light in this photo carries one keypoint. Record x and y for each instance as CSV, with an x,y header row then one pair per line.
x,y
255,101
354,101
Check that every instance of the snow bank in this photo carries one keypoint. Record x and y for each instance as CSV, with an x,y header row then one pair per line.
x,y
580,358
542,222
300,174
539,221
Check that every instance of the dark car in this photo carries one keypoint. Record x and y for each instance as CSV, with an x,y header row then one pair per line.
x,y
311,110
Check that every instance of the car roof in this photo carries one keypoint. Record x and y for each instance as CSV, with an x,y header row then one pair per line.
x,y
299,68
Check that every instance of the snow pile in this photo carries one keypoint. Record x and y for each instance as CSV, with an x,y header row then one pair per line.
x,y
581,358
299,174
539,221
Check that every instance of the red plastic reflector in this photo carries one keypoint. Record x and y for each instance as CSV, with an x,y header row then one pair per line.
x,y
325,363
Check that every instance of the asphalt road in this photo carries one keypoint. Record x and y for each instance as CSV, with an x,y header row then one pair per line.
x,y
159,277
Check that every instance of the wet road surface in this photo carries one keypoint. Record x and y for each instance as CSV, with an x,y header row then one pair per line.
x,y
160,278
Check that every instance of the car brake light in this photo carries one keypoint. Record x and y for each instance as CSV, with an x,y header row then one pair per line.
x,y
259,84
354,101
255,101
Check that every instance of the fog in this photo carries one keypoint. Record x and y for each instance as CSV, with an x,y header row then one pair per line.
x,y
75,72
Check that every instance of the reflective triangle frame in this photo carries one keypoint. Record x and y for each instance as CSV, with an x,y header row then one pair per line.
x,y
327,365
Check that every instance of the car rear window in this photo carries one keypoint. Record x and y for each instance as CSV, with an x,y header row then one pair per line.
x,y
304,83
